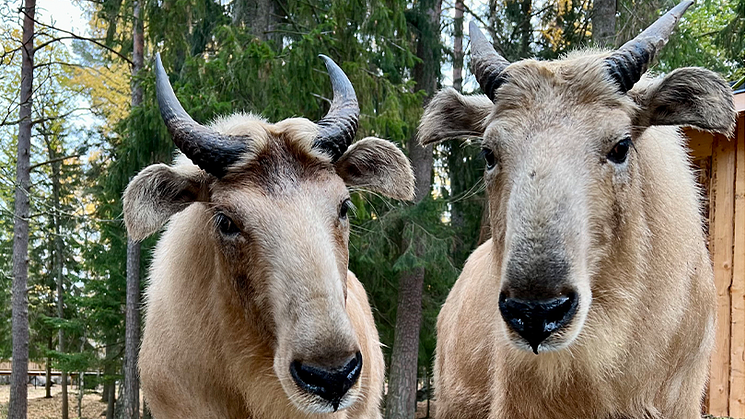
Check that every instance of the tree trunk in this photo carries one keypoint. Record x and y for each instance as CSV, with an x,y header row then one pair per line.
x,y
110,400
428,393
132,332
526,30
105,393
401,399
603,19
57,259
456,152
81,378
48,381
80,395
119,403
58,262
402,392
20,327
260,17
108,382
458,46
138,41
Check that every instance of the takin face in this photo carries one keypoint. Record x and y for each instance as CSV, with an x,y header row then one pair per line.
x,y
558,140
279,202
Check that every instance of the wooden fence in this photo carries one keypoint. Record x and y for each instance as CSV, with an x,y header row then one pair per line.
x,y
720,161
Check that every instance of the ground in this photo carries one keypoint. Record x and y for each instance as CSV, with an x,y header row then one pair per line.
x,y
93,408
41,408
422,409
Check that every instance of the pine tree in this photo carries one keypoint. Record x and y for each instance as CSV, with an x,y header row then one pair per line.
x,y
19,375
401,398
603,19
132,335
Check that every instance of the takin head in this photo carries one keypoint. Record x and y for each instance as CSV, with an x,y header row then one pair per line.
x,y
558,139
278,196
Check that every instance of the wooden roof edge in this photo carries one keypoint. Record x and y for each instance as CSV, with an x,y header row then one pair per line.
x,y
739,101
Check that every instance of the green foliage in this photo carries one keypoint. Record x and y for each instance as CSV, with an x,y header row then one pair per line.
x,y
710,35
381,250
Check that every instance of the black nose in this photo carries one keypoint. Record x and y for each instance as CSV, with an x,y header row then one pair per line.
x,y
535,320
329,383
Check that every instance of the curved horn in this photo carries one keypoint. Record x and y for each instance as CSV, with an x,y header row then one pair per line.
x,y
486,63
338,127
210,150
627,64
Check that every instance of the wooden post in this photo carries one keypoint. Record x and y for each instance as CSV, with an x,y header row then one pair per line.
x,y
721,229
737,324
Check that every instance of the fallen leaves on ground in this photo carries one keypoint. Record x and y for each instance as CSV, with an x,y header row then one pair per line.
x,y
41,408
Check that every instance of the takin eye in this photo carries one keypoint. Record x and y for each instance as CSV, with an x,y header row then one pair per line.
x,y
618,154
344,208
226,226
489,158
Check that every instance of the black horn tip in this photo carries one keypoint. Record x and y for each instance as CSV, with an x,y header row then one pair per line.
x,y
167,102
210,150
341,85
627,64
337,129
487,64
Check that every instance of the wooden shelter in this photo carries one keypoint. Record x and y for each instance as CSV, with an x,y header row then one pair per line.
x,y
720,161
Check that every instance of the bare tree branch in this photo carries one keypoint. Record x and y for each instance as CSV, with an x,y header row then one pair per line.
x,y
54,161
76,36
59,63
46,119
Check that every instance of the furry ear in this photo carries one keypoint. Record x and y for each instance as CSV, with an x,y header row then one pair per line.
x,y
689,96
451,114
379,166
158,192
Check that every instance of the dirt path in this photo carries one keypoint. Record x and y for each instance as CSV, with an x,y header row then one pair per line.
x,y
41,408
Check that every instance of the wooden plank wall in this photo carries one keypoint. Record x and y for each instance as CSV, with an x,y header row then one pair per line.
x,y
721,245
723,160
736,403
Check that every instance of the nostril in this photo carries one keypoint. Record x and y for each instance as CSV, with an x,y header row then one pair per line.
x,y
556,312
330,383
536,320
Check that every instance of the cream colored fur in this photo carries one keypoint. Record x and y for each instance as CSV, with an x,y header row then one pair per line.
x,y
200,358
639,346
227,314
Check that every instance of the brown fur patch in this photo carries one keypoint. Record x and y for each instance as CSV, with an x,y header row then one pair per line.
x,y
377,165
687,96
281,164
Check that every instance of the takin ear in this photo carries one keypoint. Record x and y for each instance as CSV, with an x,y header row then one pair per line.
x,y
689,96
157,193
379,166
451,114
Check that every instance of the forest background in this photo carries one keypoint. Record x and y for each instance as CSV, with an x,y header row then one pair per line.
x,y
94,123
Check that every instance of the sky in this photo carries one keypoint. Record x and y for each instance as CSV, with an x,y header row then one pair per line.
x,y
64,13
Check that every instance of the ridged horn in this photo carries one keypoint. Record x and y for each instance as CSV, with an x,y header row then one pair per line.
x,y
627,64
208,149
338,128
486,63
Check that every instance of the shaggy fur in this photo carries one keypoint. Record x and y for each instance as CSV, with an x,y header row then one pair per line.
x,y
228,310
631,234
